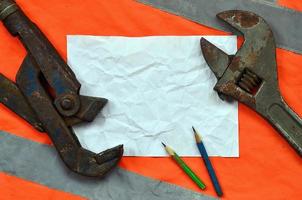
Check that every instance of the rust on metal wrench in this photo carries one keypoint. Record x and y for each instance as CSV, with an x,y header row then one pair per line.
x,y
46,95
250,76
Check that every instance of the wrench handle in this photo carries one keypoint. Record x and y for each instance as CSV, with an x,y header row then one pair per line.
x,y
288,123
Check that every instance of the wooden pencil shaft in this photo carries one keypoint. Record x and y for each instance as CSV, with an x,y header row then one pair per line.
x,y
210,168
188,171
185,167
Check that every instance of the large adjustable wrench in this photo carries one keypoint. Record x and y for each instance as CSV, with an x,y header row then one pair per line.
x,y
46,95
250,76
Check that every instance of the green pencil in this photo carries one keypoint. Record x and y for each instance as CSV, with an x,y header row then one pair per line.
x,y
185,167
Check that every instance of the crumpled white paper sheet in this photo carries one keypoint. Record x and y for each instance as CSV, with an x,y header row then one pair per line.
x,y
158,88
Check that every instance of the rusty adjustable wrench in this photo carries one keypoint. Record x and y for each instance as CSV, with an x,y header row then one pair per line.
x,y
250,76
46,95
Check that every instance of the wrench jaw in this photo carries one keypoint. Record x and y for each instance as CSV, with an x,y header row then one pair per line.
x,y
217,60
97,165
253,68
226,87
75,157
242,21
251,75
240,79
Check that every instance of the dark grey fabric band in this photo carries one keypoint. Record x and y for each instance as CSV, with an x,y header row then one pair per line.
x,y
40,163
285,23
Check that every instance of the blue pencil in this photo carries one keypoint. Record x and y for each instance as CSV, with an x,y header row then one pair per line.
x,y
207,162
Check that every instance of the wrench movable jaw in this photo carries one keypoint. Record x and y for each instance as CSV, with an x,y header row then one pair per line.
x,y
217,59
226,86
250,76
96,165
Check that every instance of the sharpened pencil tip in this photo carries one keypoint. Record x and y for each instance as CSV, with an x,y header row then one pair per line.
x,y
197,136
163,144
193,129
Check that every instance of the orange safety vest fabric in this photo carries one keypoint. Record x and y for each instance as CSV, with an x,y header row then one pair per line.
x,y
267,168
18,189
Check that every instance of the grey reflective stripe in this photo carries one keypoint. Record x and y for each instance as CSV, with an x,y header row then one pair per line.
x,y
285,23
271,1
40,163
